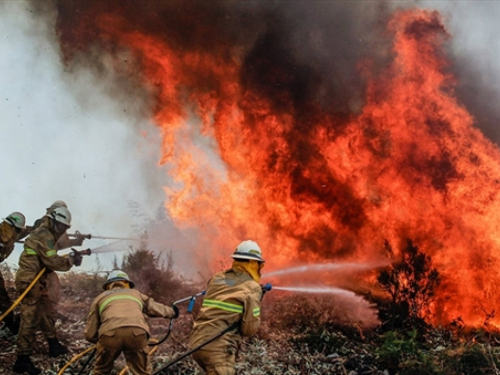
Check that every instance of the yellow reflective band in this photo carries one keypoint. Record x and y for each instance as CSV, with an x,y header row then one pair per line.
x,y
256,311
223,305
30,251
51,253
114,298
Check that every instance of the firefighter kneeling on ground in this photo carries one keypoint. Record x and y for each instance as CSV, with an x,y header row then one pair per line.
x,y
117,324
232,296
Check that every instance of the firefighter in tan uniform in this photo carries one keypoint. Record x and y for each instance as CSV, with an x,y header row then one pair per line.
x,y
39,252
52,283
117,324
232,296
10,231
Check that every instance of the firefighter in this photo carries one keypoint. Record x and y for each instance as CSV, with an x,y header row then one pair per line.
x,y
117,324
232,296
39,252
11,229
52,285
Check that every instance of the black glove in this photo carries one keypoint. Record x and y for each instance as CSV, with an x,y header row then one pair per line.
x,y
176,312
77,258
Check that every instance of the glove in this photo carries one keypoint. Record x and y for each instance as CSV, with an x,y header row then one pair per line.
x,y
176,312
77,258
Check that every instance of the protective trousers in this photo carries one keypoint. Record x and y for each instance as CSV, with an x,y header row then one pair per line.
x,y
216,363
53,292
35,313
5,304
132,341
5,301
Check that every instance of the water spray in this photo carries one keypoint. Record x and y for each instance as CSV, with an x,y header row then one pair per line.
x,y
315,290
321,267
90,236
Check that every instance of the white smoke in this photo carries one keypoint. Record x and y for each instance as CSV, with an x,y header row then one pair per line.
x,y
63,137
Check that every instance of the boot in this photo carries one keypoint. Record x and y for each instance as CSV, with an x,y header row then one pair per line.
x,y
23,364
56,348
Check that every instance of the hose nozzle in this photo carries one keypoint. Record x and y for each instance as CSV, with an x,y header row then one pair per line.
x,y
267,287
83,252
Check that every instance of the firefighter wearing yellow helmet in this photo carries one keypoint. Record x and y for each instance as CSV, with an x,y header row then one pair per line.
x,y
11,230
116,323
232,296
40,252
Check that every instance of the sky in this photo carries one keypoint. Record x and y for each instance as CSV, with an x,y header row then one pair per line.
x,y
64,137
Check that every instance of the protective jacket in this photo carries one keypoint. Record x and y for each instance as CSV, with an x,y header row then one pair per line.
x,y
8,237
39,251
63,241
120,307
232,296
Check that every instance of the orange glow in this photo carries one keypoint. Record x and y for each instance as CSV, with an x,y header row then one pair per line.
x,y
309,185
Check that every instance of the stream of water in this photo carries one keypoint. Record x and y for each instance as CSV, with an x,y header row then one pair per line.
x,y
321,267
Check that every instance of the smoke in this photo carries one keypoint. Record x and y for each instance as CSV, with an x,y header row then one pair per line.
x,y
474,52
70,134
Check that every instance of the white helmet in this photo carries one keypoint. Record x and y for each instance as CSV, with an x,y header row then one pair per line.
x,y
248,250
56,204
17,220
117,275
62,215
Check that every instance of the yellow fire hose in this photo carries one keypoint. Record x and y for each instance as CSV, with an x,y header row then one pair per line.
x,y
82,252
76,358
22,295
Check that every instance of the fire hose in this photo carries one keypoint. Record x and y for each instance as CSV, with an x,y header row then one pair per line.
x,y
7,312
265,288
91,236
156,342
77,357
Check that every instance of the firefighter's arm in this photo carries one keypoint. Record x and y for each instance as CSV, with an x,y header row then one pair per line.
x,y
48,255
5,251
251,313
92,326
65,241
155,309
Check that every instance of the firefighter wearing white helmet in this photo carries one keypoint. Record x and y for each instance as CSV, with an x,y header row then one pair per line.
x,y
40,252
248,250
116,323
52,291
232,296
11,230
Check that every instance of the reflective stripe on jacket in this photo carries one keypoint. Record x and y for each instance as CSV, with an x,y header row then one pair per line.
x,y
39,252
232,296
120,307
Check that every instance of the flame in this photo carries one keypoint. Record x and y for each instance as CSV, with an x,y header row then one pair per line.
x,y
252,158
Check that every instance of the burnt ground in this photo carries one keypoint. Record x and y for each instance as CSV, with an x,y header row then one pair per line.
x,y
291,340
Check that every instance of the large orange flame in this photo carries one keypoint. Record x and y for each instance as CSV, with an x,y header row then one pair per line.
x,y
311,185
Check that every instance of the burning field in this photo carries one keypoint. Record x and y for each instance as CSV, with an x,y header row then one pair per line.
x,y
320,137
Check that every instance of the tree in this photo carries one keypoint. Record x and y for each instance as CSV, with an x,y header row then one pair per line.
x,y
411,283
